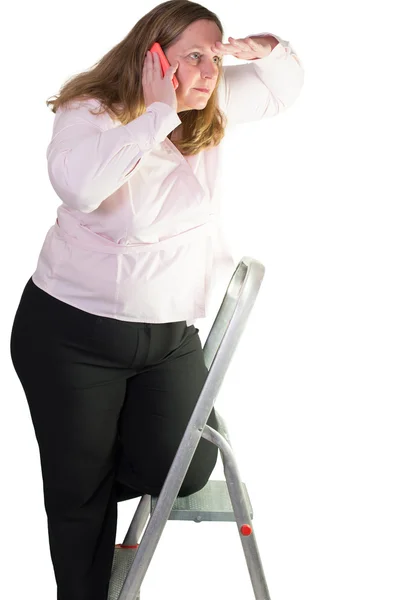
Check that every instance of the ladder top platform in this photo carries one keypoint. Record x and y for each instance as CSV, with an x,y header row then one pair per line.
x,y
212,503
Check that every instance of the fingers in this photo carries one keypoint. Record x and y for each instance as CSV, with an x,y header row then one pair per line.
x,y
151,64
226,48
156,62
151,59
235,46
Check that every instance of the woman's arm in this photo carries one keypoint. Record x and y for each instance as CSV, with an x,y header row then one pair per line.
x,y
89,158
262,87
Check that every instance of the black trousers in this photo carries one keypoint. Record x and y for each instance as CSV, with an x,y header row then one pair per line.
x,y
109,401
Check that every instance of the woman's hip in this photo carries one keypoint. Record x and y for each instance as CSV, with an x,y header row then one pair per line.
x,y
47,329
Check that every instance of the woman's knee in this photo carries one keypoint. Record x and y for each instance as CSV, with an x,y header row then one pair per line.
x,y
200,469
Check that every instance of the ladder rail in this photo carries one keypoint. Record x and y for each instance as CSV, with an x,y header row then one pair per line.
x,y
241,513
218,351
247,273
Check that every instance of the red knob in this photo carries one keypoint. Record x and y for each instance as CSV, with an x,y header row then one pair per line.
x,y
246,529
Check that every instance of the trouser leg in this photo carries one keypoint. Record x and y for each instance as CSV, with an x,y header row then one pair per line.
x,y
75,400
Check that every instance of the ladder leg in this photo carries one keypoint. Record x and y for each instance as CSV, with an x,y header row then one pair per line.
x,y
241,513
125,553
138,523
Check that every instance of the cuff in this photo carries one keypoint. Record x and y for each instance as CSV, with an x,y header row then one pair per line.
x,y
147,132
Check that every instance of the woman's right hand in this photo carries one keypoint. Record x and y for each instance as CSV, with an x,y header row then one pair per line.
x,y
157,88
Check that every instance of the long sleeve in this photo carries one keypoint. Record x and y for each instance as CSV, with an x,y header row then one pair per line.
x,y
88,160
261,88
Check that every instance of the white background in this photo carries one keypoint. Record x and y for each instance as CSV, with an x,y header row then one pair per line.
x,y
313,396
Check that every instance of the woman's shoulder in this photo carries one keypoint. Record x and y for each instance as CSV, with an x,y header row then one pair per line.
x,y
89,109
78,103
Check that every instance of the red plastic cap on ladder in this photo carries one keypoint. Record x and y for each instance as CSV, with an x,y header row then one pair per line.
x,y
246,529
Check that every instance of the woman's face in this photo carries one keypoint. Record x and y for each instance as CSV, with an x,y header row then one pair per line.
x,y
198,63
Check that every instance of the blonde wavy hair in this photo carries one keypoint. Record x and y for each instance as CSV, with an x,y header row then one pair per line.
x,y
116,80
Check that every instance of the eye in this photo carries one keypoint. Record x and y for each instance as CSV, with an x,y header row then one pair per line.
x,y
219,58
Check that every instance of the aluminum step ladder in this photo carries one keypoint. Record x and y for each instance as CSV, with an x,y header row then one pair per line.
x,y
218,500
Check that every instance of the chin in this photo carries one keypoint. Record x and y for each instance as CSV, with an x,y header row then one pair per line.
x,y
196,106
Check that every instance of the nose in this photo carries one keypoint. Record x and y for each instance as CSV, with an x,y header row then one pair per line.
x,y
209,71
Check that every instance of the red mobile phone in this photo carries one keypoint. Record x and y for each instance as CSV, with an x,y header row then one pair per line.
x,y
164,62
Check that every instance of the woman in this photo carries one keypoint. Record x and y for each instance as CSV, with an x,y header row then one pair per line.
x,y
103,339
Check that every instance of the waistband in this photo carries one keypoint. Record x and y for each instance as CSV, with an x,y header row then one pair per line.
x,y
84,238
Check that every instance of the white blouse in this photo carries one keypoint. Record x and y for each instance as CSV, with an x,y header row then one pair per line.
x,y
146,244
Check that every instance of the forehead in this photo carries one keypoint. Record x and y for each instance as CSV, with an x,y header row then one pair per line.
x,y
200,48
201,34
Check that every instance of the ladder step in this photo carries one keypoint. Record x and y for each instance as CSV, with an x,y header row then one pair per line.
x,y
212,503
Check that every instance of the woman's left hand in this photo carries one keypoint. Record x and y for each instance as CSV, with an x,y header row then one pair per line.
x,y
247,48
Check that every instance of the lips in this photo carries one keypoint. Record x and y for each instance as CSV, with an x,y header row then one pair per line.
x,y
202,90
